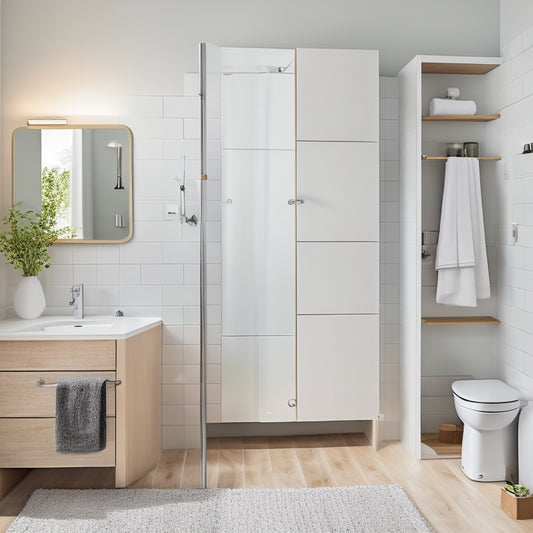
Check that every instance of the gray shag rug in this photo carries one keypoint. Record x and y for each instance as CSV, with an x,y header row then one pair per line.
x,y
384,508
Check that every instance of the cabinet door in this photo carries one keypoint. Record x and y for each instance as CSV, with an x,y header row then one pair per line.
x,y
337,277
258,378
258,234
339,184
239,379
277,379
338,367
337,95
244,94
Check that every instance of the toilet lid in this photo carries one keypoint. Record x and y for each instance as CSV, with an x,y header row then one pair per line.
x,y
485,391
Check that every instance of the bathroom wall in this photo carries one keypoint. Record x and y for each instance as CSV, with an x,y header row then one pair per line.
x,y
389,289
3,268
125,62
514,87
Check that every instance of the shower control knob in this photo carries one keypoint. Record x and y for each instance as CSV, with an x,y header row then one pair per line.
x,y
291,402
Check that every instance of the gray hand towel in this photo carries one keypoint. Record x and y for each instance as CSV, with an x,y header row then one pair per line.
x,y
81,415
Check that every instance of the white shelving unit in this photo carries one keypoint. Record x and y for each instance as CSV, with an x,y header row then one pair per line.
x,y
416,282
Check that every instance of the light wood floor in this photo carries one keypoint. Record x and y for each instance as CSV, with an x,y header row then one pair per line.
x,y
442,449
449,501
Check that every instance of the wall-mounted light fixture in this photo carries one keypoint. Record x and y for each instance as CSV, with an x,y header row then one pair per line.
x,y
118,146
46,121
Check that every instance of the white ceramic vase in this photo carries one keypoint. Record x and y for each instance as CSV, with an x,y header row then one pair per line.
x,y
29,301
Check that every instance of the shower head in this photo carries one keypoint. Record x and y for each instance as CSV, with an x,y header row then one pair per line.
x,y
118,146
258,69
284,69
114,144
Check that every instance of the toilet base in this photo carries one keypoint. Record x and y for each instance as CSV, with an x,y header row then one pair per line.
x,y
490,455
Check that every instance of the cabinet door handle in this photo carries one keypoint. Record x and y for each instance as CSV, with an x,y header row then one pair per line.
x,y
299,201
291,402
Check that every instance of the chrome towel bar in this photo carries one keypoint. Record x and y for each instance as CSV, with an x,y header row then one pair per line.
x,y
42,383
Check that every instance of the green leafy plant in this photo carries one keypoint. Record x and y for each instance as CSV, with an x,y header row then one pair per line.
x,y
516,490
55,193
25,244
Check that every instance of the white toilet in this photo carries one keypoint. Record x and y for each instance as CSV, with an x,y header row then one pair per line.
x,y
488,409
525,445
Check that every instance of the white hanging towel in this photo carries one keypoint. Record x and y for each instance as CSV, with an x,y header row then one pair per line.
x,y
461,260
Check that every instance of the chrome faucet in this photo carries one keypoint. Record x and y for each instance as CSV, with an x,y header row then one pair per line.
x,y
76,302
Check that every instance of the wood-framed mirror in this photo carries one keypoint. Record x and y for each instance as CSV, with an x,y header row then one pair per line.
x,y
88,168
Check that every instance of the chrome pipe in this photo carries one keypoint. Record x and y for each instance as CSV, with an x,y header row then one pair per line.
x,y
119,168
203,254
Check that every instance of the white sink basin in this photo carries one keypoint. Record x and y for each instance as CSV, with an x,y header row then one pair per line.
x,y
72,327
60,327
77,328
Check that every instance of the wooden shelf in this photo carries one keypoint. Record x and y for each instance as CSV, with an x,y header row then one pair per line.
x,y
457,68
443,158
461,118
441,320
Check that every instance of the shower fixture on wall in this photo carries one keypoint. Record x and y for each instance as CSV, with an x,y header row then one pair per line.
x,y
118,146
258,69
284,69
193,220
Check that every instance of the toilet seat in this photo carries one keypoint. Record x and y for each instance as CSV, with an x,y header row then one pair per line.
x,y
486,395
487,407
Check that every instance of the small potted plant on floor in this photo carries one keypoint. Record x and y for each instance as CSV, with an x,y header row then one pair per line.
x,y
25,246
516,502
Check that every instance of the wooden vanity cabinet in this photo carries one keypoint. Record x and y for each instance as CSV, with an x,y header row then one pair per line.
x,y
27,412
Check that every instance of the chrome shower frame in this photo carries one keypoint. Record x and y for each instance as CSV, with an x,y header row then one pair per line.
x,y
203,253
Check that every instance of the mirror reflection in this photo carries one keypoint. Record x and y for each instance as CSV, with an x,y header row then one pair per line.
x,y
86,170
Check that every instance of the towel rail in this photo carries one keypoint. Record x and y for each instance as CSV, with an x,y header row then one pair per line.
x,y
42,383
444,158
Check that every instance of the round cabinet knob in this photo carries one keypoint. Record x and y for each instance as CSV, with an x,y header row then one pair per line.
x,y
299,201
291,402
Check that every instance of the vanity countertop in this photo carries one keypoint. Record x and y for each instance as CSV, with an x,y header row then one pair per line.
x,y
68,328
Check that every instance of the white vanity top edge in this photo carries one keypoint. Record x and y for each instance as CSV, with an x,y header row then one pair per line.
x,y
68,328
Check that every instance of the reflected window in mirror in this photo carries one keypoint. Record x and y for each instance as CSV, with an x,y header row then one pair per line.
x,y
86,171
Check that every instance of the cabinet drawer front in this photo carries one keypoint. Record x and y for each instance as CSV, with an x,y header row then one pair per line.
x,y
30,443
20,396
57,355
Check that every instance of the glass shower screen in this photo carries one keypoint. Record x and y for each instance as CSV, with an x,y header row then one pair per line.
x,y
248,282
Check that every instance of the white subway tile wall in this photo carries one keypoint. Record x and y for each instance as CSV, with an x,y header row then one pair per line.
x,y
515,176
390,257
157,272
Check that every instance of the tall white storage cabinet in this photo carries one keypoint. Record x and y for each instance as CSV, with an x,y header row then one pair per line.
x,y
337,232
300,253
